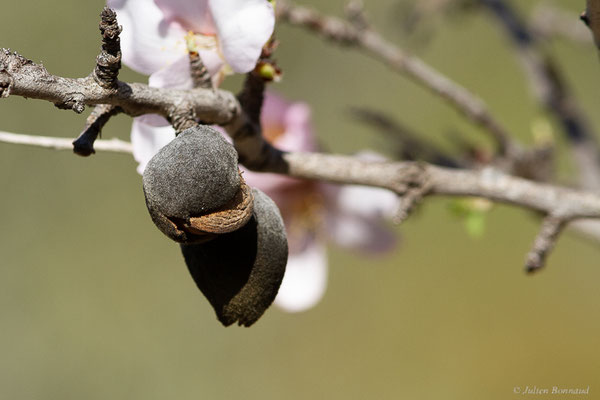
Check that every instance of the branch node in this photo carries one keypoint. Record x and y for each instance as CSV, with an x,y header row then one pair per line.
x,y
74,101
108,62
415,185
544,243
182,118
6,82
84,144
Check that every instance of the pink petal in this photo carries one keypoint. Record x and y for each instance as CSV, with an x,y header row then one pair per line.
x,y
299,135
294,122
274,109
271,184
148,42
193,15
292,119
149,133
305,279
243,27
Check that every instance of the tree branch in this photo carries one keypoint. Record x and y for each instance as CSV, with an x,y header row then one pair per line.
x,y
22,77
564,203
549,21
409,145
411,180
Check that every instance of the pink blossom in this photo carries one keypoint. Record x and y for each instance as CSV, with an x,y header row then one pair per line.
x,y
228,34
155,34
350,216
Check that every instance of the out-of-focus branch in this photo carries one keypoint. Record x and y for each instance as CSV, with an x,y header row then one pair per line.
x,y
408,145
373,43
551,90
550,21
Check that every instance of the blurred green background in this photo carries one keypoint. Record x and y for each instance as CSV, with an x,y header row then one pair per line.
x,y
95,303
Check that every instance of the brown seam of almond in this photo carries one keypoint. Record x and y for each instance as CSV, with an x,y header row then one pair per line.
x,y
228,218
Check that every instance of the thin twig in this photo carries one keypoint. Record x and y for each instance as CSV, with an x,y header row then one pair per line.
x,y
56,143
84,144
544,243
374,44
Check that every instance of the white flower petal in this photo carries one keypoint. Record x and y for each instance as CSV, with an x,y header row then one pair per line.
x,y
367,202
149,133
357,218
305,279
148,41
360,234
243,27
214,63
176,75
